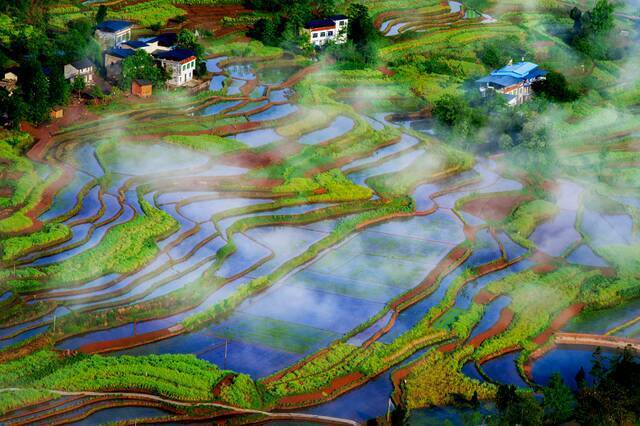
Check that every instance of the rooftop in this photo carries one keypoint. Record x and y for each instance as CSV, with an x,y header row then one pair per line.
x,y
338,17
513,74
121,53
319,23
114,26
135,43
165,40
175,55
142,82
517,70
82,63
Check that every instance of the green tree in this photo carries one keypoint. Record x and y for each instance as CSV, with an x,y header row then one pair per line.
x,y
360,30
101,14
78,85
59,90
326,7
35,89
187,39
141,66
13,108
555,87
559,401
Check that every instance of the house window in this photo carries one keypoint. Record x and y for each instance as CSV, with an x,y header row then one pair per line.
x,y
330,33
315,35
342,23
322,34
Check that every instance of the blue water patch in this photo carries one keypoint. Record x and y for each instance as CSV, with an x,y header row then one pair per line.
x,y
338,127
219,107
491,315
583,255
23,336
242,71
213,64
565,360
217,83
275,112
511,248
607,229
242,357
470,370
361,404
251,106
281,95
256,138
235,87
503,369
313,308
110,415
555,236
465,297
67,197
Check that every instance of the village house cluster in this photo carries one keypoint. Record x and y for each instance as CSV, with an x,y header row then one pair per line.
x,y
331,29
115,38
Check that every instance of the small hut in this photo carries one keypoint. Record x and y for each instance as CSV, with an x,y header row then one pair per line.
x,y
57,112
142,88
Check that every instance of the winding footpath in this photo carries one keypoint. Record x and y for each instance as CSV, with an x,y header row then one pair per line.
x,y
149,397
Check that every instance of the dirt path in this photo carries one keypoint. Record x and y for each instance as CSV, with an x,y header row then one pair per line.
x,y
174,402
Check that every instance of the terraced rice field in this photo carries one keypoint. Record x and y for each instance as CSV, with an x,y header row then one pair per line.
x,y
317,255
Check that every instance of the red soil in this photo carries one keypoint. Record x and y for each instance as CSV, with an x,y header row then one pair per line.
x,y
210,17
494,208
499,353
43,134
312,398
506,316
484,297
130,341
453,258
386,71
558,322
226,381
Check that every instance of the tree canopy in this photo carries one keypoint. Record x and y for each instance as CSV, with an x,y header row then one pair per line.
x,y
141,66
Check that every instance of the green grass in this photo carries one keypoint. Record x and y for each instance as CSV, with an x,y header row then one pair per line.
x,y
211,144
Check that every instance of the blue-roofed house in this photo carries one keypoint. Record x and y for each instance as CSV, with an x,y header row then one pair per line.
x,y
322,31
113,60
112,33
513,81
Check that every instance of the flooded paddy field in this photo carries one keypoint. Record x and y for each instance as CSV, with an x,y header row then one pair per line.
x,y
297,254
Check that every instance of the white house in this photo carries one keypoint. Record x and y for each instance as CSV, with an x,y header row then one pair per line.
x,y
112,33
9,82
83,68
322,31
513,81
180,63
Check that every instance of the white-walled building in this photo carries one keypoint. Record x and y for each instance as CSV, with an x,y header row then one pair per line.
x,y
113,33
322,31
180,63
513,81
83,68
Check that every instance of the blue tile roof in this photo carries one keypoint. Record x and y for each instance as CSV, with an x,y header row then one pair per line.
x,y
318,23
136,43
517,70
121,53
175,55
114,26
513,74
